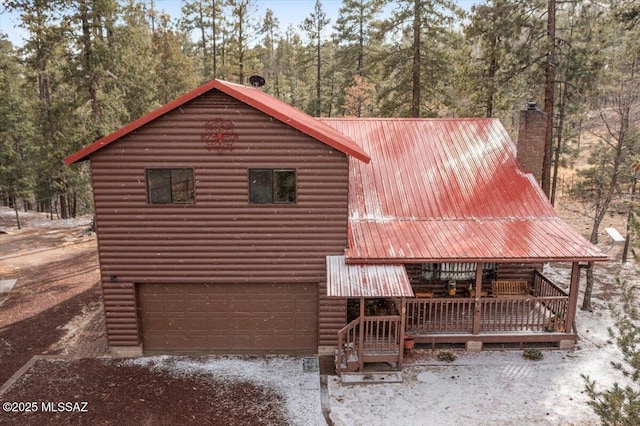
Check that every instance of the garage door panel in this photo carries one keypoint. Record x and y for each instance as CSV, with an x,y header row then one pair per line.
x,y
277,318
305,306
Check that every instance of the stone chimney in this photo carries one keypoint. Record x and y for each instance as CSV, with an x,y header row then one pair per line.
x,y
531,140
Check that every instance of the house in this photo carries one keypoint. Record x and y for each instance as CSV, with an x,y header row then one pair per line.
x,y
230,222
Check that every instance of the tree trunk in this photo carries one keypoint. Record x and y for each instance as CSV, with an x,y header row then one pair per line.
x,y
627,240
549,95
15,207
415,69
586,302
203,42
63,206
558,147
214,30
318,74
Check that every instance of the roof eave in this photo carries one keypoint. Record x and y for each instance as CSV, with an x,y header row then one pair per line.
x,y
354,260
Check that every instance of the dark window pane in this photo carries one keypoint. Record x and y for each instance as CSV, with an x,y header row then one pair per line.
x,y
182,185
159,186
260,186
170,186
284,190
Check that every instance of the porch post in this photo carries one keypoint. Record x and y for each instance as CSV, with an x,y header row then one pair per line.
x,y
573,297
361,337
403,314
476,311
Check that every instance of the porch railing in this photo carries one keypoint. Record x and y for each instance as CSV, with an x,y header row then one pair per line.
x,y
543,287
381,335
439,315
348,338
522,314
499,314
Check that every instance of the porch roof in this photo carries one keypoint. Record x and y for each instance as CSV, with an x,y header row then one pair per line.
x,y
471,240
366,280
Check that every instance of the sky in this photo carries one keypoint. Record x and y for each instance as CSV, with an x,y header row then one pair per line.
x,y
287,11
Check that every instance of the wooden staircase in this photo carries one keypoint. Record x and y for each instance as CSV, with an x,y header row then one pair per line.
x,y
369,339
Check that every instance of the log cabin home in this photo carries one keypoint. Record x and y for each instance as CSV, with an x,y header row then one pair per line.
x,y
230,222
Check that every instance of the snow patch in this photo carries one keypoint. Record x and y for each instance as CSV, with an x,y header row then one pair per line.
x,y
282,374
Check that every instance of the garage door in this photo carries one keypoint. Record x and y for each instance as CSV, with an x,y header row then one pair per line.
x,y
240,318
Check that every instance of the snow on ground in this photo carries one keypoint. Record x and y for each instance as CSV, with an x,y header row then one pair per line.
x,y
497,387
282,374
37,220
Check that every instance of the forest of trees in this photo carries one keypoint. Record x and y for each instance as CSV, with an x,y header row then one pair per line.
x,y
88,67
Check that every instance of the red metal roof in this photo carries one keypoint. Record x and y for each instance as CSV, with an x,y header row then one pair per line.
x,y
448,189
251,96
366,280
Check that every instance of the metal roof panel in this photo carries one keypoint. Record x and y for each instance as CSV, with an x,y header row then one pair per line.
x,y
366,280
449,189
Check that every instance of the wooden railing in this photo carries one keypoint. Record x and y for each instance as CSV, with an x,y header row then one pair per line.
x,y
558,303
348,338
382,334
497,314
544,287
440,315
522,314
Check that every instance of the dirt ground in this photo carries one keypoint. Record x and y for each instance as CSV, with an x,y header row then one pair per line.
x,y
54,302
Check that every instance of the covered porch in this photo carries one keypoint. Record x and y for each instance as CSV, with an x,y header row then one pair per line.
x,y
488,309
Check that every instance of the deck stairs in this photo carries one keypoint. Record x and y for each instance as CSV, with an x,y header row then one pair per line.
x,y
374,338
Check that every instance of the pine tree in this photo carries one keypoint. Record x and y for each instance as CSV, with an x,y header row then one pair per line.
x,y
620,404
206,19
270,30
16,151
242,29
418,57
500,37
174,70
314,26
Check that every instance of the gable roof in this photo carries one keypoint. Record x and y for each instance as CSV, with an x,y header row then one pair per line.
x,y
251,96
449,190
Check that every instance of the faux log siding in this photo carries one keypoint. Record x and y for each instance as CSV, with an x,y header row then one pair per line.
x,y
221,238
518,271
506,271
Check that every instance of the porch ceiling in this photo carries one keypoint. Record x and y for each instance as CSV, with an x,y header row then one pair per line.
x,y
366,280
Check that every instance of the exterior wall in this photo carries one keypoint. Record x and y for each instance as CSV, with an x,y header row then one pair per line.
x,y
506,271
518,271
531,141
221,238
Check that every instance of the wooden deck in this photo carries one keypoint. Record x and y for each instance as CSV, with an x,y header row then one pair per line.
x,y
539,315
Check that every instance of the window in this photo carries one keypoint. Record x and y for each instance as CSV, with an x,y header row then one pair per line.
x,y
269,186
170,186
